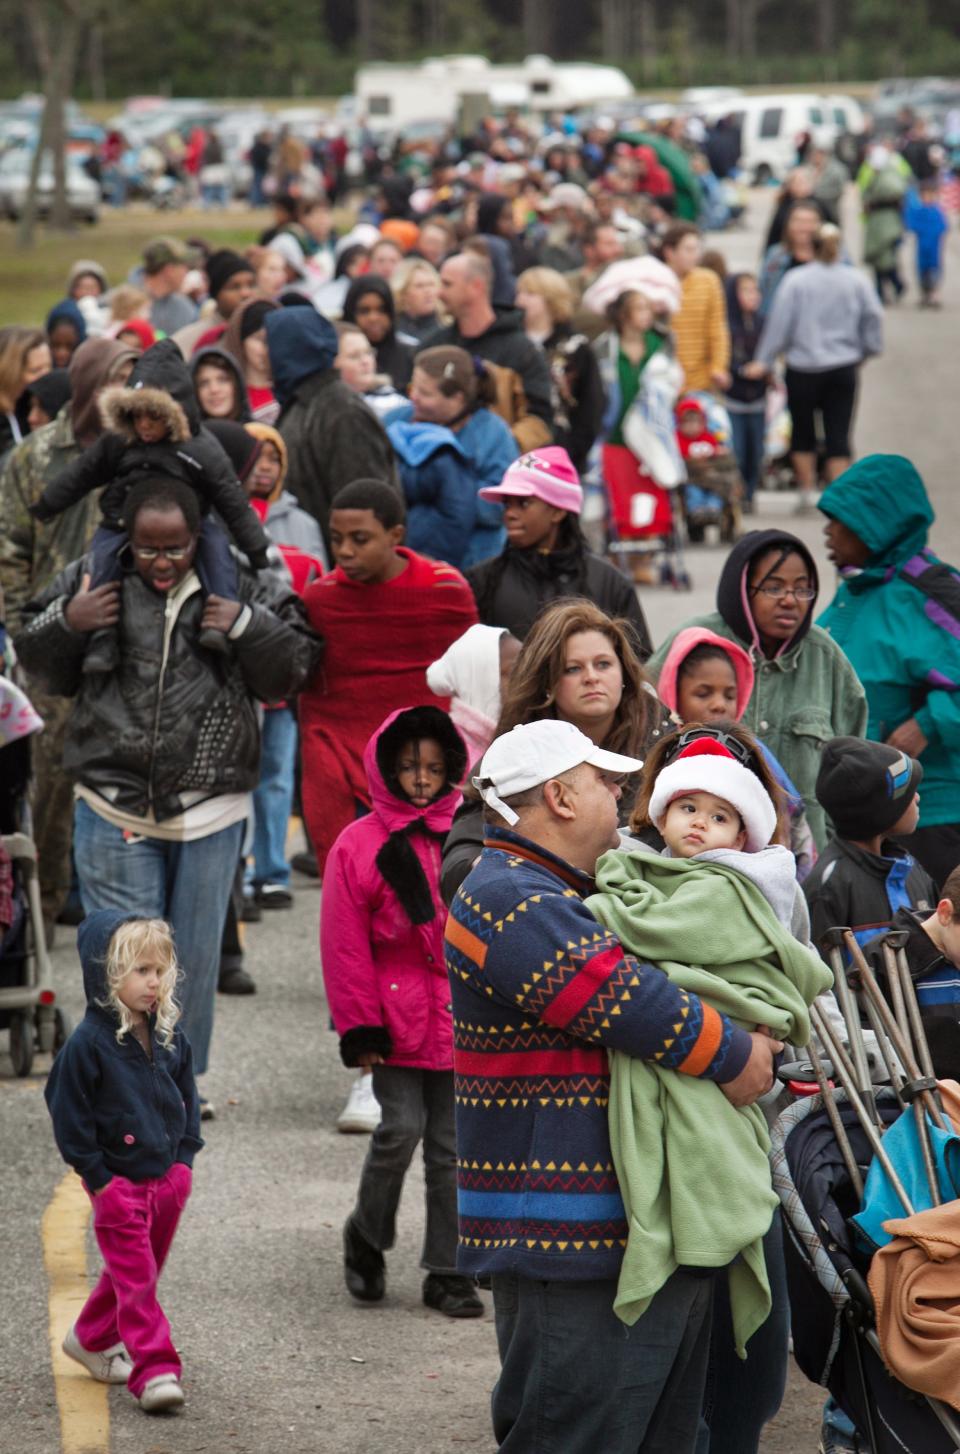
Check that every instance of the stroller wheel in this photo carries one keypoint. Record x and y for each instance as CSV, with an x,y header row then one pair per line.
x,y
682,581
21,1042
62,1028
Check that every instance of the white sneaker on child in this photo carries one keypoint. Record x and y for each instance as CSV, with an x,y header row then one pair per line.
x,y
362,1111
161,1394
110,1366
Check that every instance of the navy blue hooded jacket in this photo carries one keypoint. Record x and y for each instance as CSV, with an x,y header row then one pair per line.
x,y
301,343
115,1111
332,437
67,311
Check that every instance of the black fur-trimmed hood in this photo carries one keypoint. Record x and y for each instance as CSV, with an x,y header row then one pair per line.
x,y
162,368
119,404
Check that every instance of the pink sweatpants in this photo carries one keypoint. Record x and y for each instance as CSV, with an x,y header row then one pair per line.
x,y
134,1223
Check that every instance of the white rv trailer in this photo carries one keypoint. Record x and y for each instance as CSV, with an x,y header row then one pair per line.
x,y
394,95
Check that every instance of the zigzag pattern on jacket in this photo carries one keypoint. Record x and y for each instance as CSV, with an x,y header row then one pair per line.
x,y
540,991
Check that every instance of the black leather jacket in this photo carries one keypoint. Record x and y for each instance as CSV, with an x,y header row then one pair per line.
x,y
172,719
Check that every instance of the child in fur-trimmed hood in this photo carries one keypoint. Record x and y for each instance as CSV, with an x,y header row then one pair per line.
x,y
154,428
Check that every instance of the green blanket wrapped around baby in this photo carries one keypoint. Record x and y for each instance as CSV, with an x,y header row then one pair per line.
x,y
693,1169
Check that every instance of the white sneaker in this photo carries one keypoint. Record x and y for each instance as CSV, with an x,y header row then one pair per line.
x,y
161,1394
112,1365
362,1111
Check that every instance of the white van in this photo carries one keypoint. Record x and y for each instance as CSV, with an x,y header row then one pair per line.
x,y
771,125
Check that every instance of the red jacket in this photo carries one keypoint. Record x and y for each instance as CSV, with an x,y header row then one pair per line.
x,y
379,641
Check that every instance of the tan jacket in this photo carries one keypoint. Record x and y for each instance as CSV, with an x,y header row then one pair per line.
x,y
915,1283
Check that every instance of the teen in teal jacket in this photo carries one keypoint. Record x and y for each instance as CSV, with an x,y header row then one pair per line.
x,y
896,615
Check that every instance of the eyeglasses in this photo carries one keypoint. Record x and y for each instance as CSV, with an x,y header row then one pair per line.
x,y
739,750
175,553
780,593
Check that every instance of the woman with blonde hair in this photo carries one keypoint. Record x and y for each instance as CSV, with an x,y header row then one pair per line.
x,y
576,390
580,665
24,357
416,289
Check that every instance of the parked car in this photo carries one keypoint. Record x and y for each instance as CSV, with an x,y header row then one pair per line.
x,y
83,194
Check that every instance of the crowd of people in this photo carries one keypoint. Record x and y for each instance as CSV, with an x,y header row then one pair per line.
x,y
335,536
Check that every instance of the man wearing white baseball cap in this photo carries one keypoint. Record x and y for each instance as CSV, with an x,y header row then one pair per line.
x,y
540,992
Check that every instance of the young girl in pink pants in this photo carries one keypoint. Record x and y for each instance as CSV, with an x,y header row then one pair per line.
x,y
126,1118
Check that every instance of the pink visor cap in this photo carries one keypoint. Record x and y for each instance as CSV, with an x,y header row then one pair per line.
x,y
547,473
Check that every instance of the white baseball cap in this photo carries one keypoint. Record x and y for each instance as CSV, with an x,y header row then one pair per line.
x,y
532,754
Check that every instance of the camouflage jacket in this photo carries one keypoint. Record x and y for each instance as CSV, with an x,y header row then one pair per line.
x,y
31,554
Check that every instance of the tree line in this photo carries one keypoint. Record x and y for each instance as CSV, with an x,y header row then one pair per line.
x,y
297,47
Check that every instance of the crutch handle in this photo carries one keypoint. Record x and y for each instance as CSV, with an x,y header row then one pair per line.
x,y
897,939
833,938
911,1090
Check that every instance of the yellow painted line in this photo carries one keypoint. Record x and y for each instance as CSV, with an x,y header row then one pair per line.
x,y
296,838
82,1401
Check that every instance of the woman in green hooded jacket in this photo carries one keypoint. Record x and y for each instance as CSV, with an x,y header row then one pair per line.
x,y
805,690
896,614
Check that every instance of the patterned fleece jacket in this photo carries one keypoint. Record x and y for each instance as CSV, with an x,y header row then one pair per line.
x,y
540,993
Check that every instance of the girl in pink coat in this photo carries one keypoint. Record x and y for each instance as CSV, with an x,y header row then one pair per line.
x,y
381,941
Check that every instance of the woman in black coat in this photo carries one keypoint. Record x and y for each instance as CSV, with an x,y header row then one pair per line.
x,y
546,556
369,304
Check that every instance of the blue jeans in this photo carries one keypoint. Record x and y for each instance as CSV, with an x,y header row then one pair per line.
x,y
575,1380
273,797
185,883
749,435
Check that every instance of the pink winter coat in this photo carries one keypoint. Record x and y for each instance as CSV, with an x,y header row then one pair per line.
x,y
384,976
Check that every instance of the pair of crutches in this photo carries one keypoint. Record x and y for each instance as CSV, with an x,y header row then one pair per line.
x,y
903,1048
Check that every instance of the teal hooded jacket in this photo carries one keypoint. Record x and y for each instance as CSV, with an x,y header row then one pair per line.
x,y
904,645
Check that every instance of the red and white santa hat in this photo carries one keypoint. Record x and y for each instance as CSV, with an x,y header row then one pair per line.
x,y
706,766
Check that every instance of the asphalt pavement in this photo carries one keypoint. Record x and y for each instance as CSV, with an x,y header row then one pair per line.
x,y
277,1358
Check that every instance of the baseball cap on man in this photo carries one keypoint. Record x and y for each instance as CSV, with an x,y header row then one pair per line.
x,y
548,474
163,250
534,753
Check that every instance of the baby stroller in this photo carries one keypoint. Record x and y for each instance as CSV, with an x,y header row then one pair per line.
x,y
822,1148
645,524
28,1009
714,490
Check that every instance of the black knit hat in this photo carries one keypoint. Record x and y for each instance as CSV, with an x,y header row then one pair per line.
x,y
865,787
254,314
242,449
222,266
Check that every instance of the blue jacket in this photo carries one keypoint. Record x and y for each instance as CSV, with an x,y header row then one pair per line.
x,y
538,1000
441,471
116,1112
903,644
929,223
